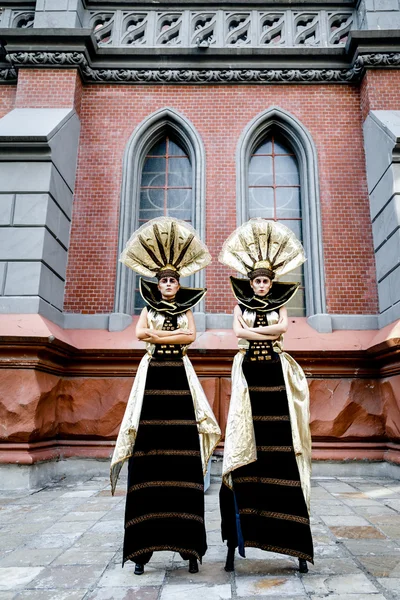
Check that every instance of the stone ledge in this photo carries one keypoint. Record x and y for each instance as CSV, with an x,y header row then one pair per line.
x,y
17,477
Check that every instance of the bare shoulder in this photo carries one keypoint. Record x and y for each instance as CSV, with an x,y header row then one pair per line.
x,y
237,310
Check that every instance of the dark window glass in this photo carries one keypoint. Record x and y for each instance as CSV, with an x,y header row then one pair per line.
x,y
274,193
165,189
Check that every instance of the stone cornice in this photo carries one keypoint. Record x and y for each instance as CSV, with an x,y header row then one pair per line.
x,y
78,49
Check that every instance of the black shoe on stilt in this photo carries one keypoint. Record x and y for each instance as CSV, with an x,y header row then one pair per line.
x,y
230,560
193,566
139,569
303,568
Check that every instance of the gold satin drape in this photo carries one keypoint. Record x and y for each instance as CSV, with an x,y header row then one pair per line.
x,y
240,445
207,426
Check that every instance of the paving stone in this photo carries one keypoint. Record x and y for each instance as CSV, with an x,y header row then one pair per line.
x,y
350,597
70,527
392,531
337,487
211,574
52,541
13,578
331,551
368,511
373,547
382,566
356,532
66,577
78,494
99,541
55,594
335,510
392,585
269,586
345,521
267,566
391,519
196,591
115,576
331,566
134,593
74,556
83,516
339,584
32,557
11,543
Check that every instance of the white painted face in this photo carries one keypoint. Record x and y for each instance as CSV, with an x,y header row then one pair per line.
x,y
261,285
168,287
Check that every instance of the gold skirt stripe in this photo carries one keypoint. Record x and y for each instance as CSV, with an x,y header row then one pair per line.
x,y
268,480
182,484
274,515
163,515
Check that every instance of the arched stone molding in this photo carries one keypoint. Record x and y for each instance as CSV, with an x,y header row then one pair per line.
x,y
149,132
299,138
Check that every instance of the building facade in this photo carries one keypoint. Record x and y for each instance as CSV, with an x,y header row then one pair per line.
x,y
112,113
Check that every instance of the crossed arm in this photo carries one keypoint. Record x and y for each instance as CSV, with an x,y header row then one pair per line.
x,y
157,336
269,332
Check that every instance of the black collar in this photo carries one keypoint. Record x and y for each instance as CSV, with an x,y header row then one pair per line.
x,y
279,294
185,299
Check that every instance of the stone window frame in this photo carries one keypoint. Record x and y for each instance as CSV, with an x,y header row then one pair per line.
x,y
298,138
146,134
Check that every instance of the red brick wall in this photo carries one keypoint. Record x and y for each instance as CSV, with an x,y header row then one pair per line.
x,y
48,88
7,98
380,90
109,115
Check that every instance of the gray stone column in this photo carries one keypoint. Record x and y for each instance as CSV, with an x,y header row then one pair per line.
x,y
382,150
59,13
38,154
379,14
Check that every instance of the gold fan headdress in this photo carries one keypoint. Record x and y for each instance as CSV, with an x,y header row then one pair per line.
x,y
165,246
262,247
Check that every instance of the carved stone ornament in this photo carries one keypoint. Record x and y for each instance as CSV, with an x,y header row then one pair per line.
x,y
197,76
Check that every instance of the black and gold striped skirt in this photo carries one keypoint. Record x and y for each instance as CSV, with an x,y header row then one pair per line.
x,y
267,509
165,499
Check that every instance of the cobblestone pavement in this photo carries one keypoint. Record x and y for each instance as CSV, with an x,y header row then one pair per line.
x,y
63,542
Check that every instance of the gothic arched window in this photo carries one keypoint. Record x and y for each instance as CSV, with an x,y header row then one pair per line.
x,y
274,193
163,174
166,189
166,183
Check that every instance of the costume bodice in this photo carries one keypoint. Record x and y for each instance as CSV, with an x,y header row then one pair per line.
x,y
168,351
260,350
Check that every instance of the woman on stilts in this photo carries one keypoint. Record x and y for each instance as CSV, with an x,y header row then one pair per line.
x,y
265,492
168,432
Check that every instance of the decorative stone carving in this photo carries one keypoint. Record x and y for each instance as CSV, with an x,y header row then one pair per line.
x,y
203,29
103,27
339,26
134,29
238,29
187,75
23,20
168,31
223,29
273,30
307,29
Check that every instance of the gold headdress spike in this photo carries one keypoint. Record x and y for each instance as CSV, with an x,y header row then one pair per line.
x,y
165,247
261,247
